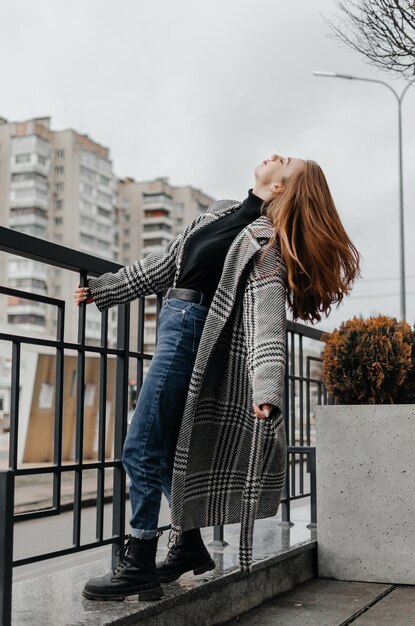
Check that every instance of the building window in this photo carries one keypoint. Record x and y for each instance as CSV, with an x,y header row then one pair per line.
x,y
104,197
59,169
87,240
58,204
41,159
58,220
22,158
15,211
22,176
88,173
159,241
59,154
18,178
155,227
26,319
31,229
87,188
156,213
87,206
59,187
159,198
24,283
103,212
104,180
20,194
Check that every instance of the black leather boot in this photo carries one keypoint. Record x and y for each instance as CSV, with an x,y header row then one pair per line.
x,y
135,574
189,554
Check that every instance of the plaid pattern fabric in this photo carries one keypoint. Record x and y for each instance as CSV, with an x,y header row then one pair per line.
x,y
229,467
144,277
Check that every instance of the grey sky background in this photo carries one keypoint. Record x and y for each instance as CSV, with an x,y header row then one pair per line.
x,y
201,92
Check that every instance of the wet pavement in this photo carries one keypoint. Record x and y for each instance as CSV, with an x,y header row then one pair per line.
x,y
325,602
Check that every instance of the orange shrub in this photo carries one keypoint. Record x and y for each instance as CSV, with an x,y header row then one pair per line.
x,y
368,361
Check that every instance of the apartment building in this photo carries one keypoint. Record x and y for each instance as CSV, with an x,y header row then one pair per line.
x,y
151,214
60,186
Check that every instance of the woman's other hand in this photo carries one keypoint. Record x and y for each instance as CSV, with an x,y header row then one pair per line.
x,y
263,413
82,294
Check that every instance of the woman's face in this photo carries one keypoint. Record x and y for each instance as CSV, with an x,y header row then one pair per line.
x,y
277,169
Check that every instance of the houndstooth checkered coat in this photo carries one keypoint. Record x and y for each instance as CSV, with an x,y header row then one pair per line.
x,y
229,466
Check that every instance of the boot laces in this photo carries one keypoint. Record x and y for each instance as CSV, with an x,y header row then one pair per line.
x,y
124,551
171,540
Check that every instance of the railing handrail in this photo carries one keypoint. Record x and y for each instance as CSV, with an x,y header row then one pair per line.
x,y
28,246
36,249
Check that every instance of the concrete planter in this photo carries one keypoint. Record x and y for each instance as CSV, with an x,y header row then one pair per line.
x,y
366,492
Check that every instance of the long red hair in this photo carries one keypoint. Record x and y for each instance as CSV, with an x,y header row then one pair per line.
x,y
322,262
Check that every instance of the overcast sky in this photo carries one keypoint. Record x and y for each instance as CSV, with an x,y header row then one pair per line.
x,y
201,92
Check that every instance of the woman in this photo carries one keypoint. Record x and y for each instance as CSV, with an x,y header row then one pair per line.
x,y
219,363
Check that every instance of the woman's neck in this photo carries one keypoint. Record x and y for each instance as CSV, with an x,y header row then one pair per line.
x,y
260,191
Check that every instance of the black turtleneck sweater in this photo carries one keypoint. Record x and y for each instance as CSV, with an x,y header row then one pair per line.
x,y
205,251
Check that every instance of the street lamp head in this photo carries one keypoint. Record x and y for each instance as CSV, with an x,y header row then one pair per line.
x,y
333,74
318,73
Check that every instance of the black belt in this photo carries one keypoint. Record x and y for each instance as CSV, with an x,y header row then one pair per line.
x,y
189,294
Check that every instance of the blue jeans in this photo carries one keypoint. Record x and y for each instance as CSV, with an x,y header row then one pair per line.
x,y
150,444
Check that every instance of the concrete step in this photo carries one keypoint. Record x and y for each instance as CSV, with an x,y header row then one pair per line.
x,y
211,598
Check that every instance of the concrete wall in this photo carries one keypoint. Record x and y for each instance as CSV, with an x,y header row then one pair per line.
x,y
365,492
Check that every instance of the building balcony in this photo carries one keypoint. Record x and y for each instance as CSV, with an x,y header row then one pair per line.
x,y
149,236
160,219
34,199
32,166
29,219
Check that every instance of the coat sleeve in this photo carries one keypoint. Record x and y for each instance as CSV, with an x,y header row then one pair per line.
x,y
265,323
149,275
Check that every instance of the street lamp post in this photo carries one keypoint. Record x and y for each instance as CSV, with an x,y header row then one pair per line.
x,y
401,226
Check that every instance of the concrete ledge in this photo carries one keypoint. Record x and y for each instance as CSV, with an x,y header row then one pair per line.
x,y
365,492
56,600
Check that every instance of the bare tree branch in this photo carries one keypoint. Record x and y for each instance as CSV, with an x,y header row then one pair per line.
x,y
381,30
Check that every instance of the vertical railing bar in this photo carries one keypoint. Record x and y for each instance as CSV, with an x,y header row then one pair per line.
x,y
58,410
79,433
102,421
14,405
313,486
285,504
140,345
300,393
6,545
308,401
120,429
292,409
218,537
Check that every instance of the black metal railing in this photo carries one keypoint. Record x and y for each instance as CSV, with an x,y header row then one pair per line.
x,y
82,264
